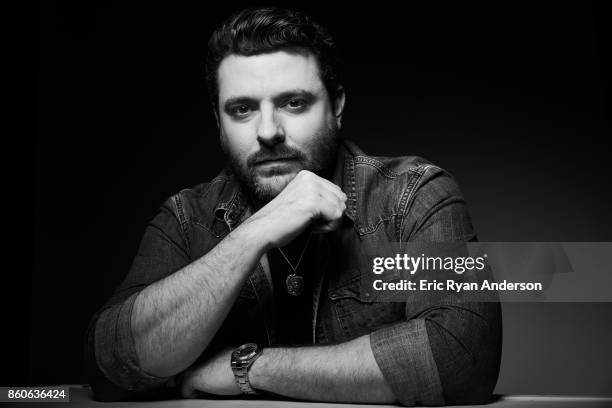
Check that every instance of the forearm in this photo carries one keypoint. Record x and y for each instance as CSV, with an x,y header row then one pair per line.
x,y
174,319
344,372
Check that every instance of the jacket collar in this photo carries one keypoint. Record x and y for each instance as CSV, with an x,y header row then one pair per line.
x,y
232,201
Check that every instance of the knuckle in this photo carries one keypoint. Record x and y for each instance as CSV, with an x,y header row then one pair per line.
x,y
305,174
301,175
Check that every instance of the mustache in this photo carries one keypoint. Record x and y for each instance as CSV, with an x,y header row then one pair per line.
x,y
280,152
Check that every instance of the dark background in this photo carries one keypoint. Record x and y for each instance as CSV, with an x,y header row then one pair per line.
x,y
512,99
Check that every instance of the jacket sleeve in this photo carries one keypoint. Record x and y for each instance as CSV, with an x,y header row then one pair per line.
x,y
447,350
112,364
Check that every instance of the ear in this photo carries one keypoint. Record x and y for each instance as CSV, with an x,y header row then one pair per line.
x,y
339,100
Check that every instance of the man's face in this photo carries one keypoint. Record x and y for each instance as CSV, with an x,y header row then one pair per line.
x,y
275,119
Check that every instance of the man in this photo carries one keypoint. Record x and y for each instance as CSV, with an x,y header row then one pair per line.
x,y
250,283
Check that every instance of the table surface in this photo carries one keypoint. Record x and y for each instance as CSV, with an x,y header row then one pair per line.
x,y
80,396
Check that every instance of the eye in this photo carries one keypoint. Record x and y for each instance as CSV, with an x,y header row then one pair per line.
x,y
240,110
296,104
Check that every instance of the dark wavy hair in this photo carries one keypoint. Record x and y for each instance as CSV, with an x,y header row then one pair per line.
x,y
254,31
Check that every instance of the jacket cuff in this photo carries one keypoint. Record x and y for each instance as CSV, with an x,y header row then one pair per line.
x,y
404,356
115,350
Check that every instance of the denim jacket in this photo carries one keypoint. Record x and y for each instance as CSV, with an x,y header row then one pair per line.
x,y
431,352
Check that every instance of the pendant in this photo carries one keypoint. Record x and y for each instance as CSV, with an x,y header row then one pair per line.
x,y
295,284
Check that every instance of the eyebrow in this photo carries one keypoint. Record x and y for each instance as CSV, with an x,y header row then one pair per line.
x,y
302,93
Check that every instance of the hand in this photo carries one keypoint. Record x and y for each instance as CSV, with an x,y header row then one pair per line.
x,y
213,376
307,199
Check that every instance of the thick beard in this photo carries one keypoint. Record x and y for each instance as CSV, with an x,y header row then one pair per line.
x,y
320,159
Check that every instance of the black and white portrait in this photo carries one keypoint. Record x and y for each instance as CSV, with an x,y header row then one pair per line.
x,y
214,181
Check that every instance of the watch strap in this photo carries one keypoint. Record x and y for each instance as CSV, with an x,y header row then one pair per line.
x,y
240,368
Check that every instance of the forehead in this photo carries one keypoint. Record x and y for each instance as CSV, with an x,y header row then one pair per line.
x,y
267,74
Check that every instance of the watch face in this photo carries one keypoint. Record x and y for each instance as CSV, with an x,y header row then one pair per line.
x,y
247,351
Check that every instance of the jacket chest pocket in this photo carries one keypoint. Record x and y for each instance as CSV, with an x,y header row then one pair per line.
x,y
356,314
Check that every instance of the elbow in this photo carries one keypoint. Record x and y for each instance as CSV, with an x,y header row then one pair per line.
x,y
468,359
473,382
113,373
105,390
102,388
470,392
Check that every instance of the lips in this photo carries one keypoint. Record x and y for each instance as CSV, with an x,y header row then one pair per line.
x,y
275,160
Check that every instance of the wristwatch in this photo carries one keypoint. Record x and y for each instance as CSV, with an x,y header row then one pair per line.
x,y
242,359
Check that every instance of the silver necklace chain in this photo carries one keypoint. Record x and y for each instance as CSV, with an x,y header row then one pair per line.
x,y
295,269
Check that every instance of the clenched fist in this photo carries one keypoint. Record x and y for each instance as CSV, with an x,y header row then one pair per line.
x,y
307,200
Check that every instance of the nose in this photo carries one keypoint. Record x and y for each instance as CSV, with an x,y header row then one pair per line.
x,y
269,131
